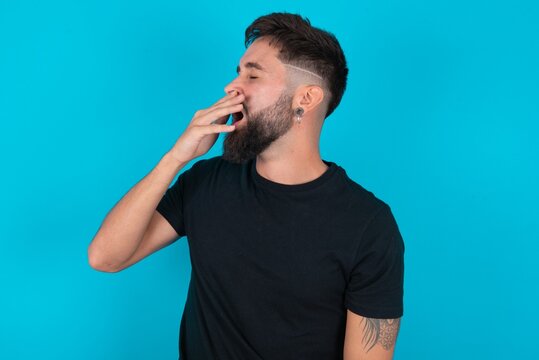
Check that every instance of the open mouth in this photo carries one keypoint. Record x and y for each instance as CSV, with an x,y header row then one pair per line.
x,y
237,116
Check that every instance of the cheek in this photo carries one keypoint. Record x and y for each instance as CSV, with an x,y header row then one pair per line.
x,y
263,96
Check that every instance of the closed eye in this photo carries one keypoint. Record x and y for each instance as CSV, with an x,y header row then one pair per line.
x,y
253,77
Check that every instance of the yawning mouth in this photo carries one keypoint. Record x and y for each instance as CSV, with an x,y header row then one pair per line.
x,y
237,117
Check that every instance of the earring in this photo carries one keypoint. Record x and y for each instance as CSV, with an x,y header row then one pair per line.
x,y
299,113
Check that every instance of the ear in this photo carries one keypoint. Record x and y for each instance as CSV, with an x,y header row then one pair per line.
x,y
308,97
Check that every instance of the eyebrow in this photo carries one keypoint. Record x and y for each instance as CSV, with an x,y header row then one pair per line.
x,y
251,65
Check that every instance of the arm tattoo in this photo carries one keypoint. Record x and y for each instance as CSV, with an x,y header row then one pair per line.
x,y
383,331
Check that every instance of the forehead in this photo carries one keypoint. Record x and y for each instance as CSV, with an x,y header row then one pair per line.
x,y
262,53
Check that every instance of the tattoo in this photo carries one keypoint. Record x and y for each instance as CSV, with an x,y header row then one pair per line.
x,y
382,331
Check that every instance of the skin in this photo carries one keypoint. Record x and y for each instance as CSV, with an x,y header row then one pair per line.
x,y
369,338
294,158
260,130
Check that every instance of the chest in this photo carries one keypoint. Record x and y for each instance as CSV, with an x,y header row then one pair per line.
x,y
301,248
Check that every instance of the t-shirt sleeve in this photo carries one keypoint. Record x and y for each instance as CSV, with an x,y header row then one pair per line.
x,y
171,205
375,287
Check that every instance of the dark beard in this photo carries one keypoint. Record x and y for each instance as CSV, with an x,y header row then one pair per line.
x,y
262,128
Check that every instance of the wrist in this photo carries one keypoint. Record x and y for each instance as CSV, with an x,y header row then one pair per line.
x,y
170,162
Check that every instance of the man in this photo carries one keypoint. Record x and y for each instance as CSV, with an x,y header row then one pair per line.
x,y
291,259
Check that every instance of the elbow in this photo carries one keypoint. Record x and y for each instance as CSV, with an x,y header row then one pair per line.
x,y
98,264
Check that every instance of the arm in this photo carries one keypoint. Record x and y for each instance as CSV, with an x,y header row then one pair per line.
x,y
368,338
133,229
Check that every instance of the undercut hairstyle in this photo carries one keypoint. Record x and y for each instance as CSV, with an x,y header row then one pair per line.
x,y
304,46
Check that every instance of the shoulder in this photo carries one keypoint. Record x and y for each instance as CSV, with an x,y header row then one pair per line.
x,y
212,172
361,197
373,215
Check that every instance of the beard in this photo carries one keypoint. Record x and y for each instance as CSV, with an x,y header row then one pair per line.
x,y
261,129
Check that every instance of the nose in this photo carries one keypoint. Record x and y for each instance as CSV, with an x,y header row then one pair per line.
x,y
234,85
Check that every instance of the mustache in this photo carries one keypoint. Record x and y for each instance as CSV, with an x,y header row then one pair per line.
x,y
245,109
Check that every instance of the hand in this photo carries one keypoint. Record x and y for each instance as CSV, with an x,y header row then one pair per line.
x,y
201,134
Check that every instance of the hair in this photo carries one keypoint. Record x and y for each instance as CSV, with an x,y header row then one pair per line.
x,y
305,46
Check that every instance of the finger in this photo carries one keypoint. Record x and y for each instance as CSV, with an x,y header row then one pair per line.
x,y
238,100
226,102
214,129
217,119
231,94
220,121
231,100
219,114
235,99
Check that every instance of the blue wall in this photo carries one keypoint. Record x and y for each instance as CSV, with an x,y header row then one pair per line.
x,y
439,120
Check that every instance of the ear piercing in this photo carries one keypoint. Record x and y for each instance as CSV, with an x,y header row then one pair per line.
x,y
299,113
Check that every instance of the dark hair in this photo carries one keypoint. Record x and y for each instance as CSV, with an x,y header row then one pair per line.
x,y
306,46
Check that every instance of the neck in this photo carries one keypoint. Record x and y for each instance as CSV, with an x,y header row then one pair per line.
x,y
291,160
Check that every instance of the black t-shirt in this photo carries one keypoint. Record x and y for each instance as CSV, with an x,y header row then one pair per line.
x,y
275,266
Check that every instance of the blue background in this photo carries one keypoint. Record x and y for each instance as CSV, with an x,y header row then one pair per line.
x,y
439,120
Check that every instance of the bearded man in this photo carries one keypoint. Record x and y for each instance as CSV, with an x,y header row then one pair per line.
x,y
291,259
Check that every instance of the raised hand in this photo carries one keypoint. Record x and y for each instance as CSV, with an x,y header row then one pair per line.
x,y
203,130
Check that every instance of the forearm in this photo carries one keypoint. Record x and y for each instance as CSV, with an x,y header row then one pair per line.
x,y
124,226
